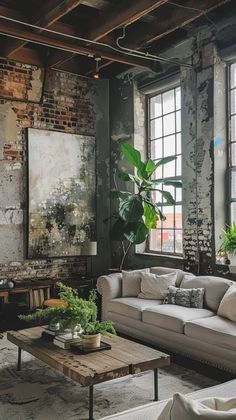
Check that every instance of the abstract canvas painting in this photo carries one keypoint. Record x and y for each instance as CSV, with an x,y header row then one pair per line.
x,y
61,194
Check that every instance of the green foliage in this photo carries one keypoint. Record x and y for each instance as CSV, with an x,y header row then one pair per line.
x,y
137,213
76,311
229,240
103,327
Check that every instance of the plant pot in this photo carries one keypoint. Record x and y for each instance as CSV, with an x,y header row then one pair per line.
x,y
91,341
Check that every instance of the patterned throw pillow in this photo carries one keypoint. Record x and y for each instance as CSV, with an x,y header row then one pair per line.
x,y
191,298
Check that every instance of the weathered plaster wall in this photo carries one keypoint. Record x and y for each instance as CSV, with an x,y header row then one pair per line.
x,y
55,101
198,131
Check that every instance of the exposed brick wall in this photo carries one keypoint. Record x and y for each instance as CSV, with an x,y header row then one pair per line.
x,y
64,105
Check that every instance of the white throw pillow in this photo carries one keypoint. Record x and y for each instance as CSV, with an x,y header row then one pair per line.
x,y
131,282
183,408
154,286
227,306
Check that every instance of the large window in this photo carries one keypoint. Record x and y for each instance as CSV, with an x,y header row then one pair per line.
x,y
232,140
165,140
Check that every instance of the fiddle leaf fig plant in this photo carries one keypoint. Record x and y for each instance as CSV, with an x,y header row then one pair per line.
x,y
137,212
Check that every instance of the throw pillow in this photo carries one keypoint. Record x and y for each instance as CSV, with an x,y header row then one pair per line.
x,y
183,408
191,298
227,307
131,282
154,286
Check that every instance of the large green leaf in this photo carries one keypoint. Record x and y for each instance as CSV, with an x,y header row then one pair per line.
x,y
167,196
165,160
136,232
126,176
173,182
119,194
131,209
150,215
132,155
150,167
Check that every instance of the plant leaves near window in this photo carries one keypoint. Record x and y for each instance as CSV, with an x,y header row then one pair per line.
x,y
119,194
150,167
133,156
150,216
126,176
172,182
131,209
138,232
165,160
167,196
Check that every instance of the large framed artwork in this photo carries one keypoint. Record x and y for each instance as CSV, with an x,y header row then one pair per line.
x,y
61,194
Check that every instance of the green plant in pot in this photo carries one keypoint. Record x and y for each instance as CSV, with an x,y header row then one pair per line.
x,y
137,212
74,311
228,245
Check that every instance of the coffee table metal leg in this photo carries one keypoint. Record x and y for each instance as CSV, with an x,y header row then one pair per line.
x,y
155,384
91,402
19,359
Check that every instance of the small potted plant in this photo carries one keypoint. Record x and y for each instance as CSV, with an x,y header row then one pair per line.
x,y
75,312
228,246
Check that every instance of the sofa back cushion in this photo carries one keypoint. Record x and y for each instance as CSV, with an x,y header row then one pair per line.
x,y
165,270
227,307
131,282
215,288
154,286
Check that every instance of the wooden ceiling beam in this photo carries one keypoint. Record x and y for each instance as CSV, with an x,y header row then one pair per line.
x,y
125,14
53,41
28,56
50,13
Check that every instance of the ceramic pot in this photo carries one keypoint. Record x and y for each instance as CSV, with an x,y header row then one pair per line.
x,y
91,341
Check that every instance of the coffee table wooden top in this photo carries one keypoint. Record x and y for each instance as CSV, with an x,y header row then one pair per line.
x,y
125,357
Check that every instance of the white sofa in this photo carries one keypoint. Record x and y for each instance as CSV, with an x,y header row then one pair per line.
x,y
196,333
152,411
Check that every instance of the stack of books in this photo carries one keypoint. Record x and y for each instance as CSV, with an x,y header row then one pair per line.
x,y
64,341
49,335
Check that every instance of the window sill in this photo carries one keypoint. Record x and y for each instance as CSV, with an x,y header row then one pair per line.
x,y
166,256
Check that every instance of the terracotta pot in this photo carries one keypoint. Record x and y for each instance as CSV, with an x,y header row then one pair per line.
x,y
91,341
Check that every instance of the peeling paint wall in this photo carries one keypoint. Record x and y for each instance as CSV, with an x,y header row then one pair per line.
x,y
55,101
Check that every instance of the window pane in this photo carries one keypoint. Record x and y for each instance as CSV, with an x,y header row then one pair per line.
x,y
155,240
233,212
155,106
179,241
168,101
156,149
179,166
178,217
169,145
170,189
233,184
233,101
178,97
178,144
233,75
167,240
178,192
169,124
169,169
178,121
158,173
168,212
156,128
233,154
233,128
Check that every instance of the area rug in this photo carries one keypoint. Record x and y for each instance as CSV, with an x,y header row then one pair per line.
x,y
38,392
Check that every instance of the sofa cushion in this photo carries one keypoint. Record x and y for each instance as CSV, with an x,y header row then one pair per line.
x,y
131,282
154,286
164,270
227,306
213,330
191,298
173,317
215,288
131,307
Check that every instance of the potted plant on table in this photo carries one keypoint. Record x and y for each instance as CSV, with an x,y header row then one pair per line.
x,y
137,211
228,246
75,312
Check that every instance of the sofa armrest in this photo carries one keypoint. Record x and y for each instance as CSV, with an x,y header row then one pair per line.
x,y
109,287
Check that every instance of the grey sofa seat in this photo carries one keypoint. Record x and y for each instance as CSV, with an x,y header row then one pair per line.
x,y
214,330
132,306
173,317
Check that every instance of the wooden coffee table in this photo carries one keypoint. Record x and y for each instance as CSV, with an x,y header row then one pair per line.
x,y
124,358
